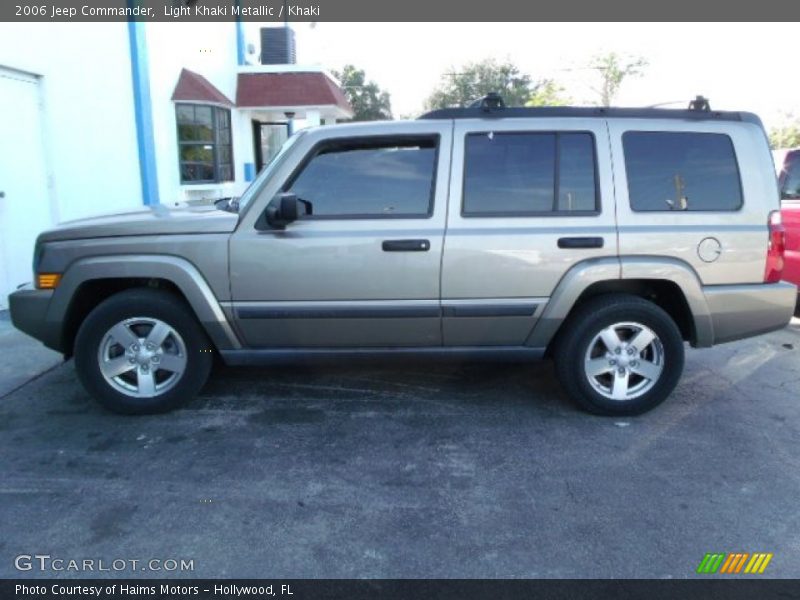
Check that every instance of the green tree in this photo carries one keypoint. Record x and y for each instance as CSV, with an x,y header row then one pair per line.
x,y
787,134
369,102
614,70
548,93
460,88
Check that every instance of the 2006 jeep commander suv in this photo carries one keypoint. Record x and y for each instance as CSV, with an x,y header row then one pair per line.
x,y
605,238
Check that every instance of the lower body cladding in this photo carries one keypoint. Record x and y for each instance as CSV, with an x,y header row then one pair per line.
x,y
296,356
291,331
488,329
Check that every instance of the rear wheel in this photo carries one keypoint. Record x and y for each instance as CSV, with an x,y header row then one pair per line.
x,y
619,355
142,351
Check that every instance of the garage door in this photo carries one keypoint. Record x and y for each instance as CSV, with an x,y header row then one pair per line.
x,y
24,199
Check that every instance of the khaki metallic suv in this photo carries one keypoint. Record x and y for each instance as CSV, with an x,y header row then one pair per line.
x,y
603,238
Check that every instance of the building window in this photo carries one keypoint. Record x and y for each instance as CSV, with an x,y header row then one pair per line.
x,y
529,174
681,171
204,143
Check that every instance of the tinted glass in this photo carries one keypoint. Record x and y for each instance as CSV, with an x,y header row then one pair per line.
x,y
681,171
370,179
790,178
512,173
515,173
576,182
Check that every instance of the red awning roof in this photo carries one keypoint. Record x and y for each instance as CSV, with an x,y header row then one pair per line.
x,y
257,90
193,87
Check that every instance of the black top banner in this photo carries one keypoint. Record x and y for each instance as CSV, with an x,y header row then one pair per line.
x,y
393,11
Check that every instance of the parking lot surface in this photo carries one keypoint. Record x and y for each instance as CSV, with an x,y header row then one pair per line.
x,y
412,470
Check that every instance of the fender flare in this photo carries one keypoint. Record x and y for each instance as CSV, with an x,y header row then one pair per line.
x,y
178,271
584,274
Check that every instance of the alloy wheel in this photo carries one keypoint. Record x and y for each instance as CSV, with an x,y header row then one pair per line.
x,y
624,361
142,357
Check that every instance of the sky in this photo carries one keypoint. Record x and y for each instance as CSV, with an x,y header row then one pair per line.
x,y
738,66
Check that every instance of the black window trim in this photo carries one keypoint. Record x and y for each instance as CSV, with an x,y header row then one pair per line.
x,y
598,210
369,139
214,143
738,209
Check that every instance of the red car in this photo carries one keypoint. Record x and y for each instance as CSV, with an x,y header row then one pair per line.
x,y
789,182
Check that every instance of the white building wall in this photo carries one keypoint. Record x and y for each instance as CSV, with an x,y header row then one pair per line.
x,y
88,112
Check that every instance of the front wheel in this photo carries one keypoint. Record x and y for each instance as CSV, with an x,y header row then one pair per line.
x,y
142,351
619,355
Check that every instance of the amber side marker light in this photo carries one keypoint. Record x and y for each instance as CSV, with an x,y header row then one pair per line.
x,y
48,281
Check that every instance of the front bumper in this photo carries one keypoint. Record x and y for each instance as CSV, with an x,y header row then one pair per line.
x,y
741,311
28,309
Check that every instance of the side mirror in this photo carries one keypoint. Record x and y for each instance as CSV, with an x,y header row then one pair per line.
x,y
282,210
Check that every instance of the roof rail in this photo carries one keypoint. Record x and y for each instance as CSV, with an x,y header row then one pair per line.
x,y
492,106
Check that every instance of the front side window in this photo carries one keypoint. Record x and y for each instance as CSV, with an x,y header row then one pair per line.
x,y
204,143
526,174
681,171
369,178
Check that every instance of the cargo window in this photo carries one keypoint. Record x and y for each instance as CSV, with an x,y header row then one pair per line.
x,y
369,178
679,171
529,174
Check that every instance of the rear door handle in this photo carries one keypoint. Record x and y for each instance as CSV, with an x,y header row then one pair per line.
x,y
406,245
580,242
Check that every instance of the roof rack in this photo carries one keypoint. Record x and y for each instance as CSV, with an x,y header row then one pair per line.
x,y
492,106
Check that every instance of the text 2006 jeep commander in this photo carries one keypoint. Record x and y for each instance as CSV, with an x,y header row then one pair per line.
x,y
605,238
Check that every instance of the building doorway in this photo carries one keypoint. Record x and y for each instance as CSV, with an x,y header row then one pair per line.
x,y
268,137
25,204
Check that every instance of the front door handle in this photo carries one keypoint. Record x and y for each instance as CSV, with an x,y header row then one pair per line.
x,y
580,242
406,245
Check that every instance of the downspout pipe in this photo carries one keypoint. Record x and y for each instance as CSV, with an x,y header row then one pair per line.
x,y
143,110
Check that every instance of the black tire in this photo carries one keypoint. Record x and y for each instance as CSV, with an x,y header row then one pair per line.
x,y
147,303
580,329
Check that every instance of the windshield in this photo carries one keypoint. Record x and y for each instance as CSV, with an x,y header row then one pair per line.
x,y
253,188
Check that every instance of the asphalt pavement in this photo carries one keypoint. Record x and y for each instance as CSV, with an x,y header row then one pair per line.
x,y
407,470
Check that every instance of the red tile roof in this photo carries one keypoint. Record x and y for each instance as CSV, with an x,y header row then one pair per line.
x,y
289,89
193,87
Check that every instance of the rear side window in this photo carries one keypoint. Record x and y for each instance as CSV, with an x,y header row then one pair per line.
x,y
370,178
790,177
681,171
523,174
